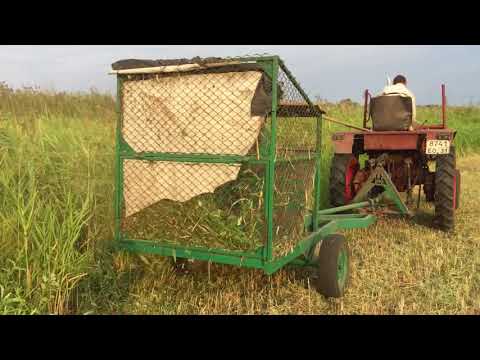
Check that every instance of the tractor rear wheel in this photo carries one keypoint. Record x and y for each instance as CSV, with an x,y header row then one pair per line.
x,y
342,171
447,188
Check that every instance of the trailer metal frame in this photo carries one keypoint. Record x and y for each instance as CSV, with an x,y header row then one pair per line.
x,y
319,223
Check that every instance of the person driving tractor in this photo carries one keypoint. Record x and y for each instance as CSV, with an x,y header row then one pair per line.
x,y
399,88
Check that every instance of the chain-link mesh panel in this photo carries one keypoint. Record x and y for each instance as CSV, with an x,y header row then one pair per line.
x,y
224,111
296,125
295,166
159,206
219,111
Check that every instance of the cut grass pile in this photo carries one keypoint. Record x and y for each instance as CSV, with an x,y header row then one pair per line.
x,y
232,217
229,218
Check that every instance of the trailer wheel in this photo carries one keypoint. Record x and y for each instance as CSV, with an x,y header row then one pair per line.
x,y
333,266
447,190
342,172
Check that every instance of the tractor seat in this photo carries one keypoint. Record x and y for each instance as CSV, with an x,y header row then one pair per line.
x,y
391,113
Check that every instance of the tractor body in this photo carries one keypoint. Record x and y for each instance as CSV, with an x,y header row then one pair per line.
x,y
424,156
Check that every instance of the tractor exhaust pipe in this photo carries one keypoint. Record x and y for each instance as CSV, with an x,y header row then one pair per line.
x,y
444,108
365,109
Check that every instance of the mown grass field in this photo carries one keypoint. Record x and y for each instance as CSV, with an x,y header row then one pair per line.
x,y
56,221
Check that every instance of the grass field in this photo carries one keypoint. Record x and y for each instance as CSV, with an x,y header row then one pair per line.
x,y
56,216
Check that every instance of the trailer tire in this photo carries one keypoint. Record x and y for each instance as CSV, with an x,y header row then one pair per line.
x,y
333,266
447,188
342,172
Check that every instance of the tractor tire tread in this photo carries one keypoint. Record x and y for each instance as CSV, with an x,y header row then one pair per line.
x,y
444,182
338,171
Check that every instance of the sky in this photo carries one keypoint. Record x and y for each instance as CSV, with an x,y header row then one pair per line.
x,y
329,72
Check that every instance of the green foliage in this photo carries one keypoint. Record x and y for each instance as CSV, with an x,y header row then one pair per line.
x,y
52,200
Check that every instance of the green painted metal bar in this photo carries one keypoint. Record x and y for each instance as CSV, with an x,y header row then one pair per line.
x,y
393,195
191,253
344,208
125,149
344,221
248,259
305,244
355,223
267,67
300,262
270,181
207,158
194,158
379,177
350,221
339,216
257,254
301,248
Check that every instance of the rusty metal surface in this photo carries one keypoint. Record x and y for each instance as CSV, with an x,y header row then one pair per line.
x,y
343,142
389,140
421,130
382,141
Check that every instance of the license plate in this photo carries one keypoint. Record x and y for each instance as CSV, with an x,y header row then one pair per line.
x,y
435,147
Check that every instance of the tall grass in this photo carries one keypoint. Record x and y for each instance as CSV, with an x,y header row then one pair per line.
x,y
28,103
56,191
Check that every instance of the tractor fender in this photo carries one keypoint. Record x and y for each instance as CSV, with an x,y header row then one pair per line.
x,y
343,143
443,135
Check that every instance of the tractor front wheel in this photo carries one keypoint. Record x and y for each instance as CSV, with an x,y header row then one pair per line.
x,y
447,190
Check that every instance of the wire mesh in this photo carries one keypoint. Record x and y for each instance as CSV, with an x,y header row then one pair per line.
x,y
205,114
295,166
214,112
207,199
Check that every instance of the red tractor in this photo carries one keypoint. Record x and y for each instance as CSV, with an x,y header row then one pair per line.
x,y
424,157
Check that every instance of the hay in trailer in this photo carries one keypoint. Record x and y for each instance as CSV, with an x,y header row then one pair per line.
x,y
232,216
229,217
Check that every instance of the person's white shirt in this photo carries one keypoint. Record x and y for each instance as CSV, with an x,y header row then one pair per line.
x,y
402,90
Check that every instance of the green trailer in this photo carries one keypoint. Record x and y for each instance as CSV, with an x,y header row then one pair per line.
x,y
218,160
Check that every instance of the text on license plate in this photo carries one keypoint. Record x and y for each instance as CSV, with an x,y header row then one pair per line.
x,y
438,147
